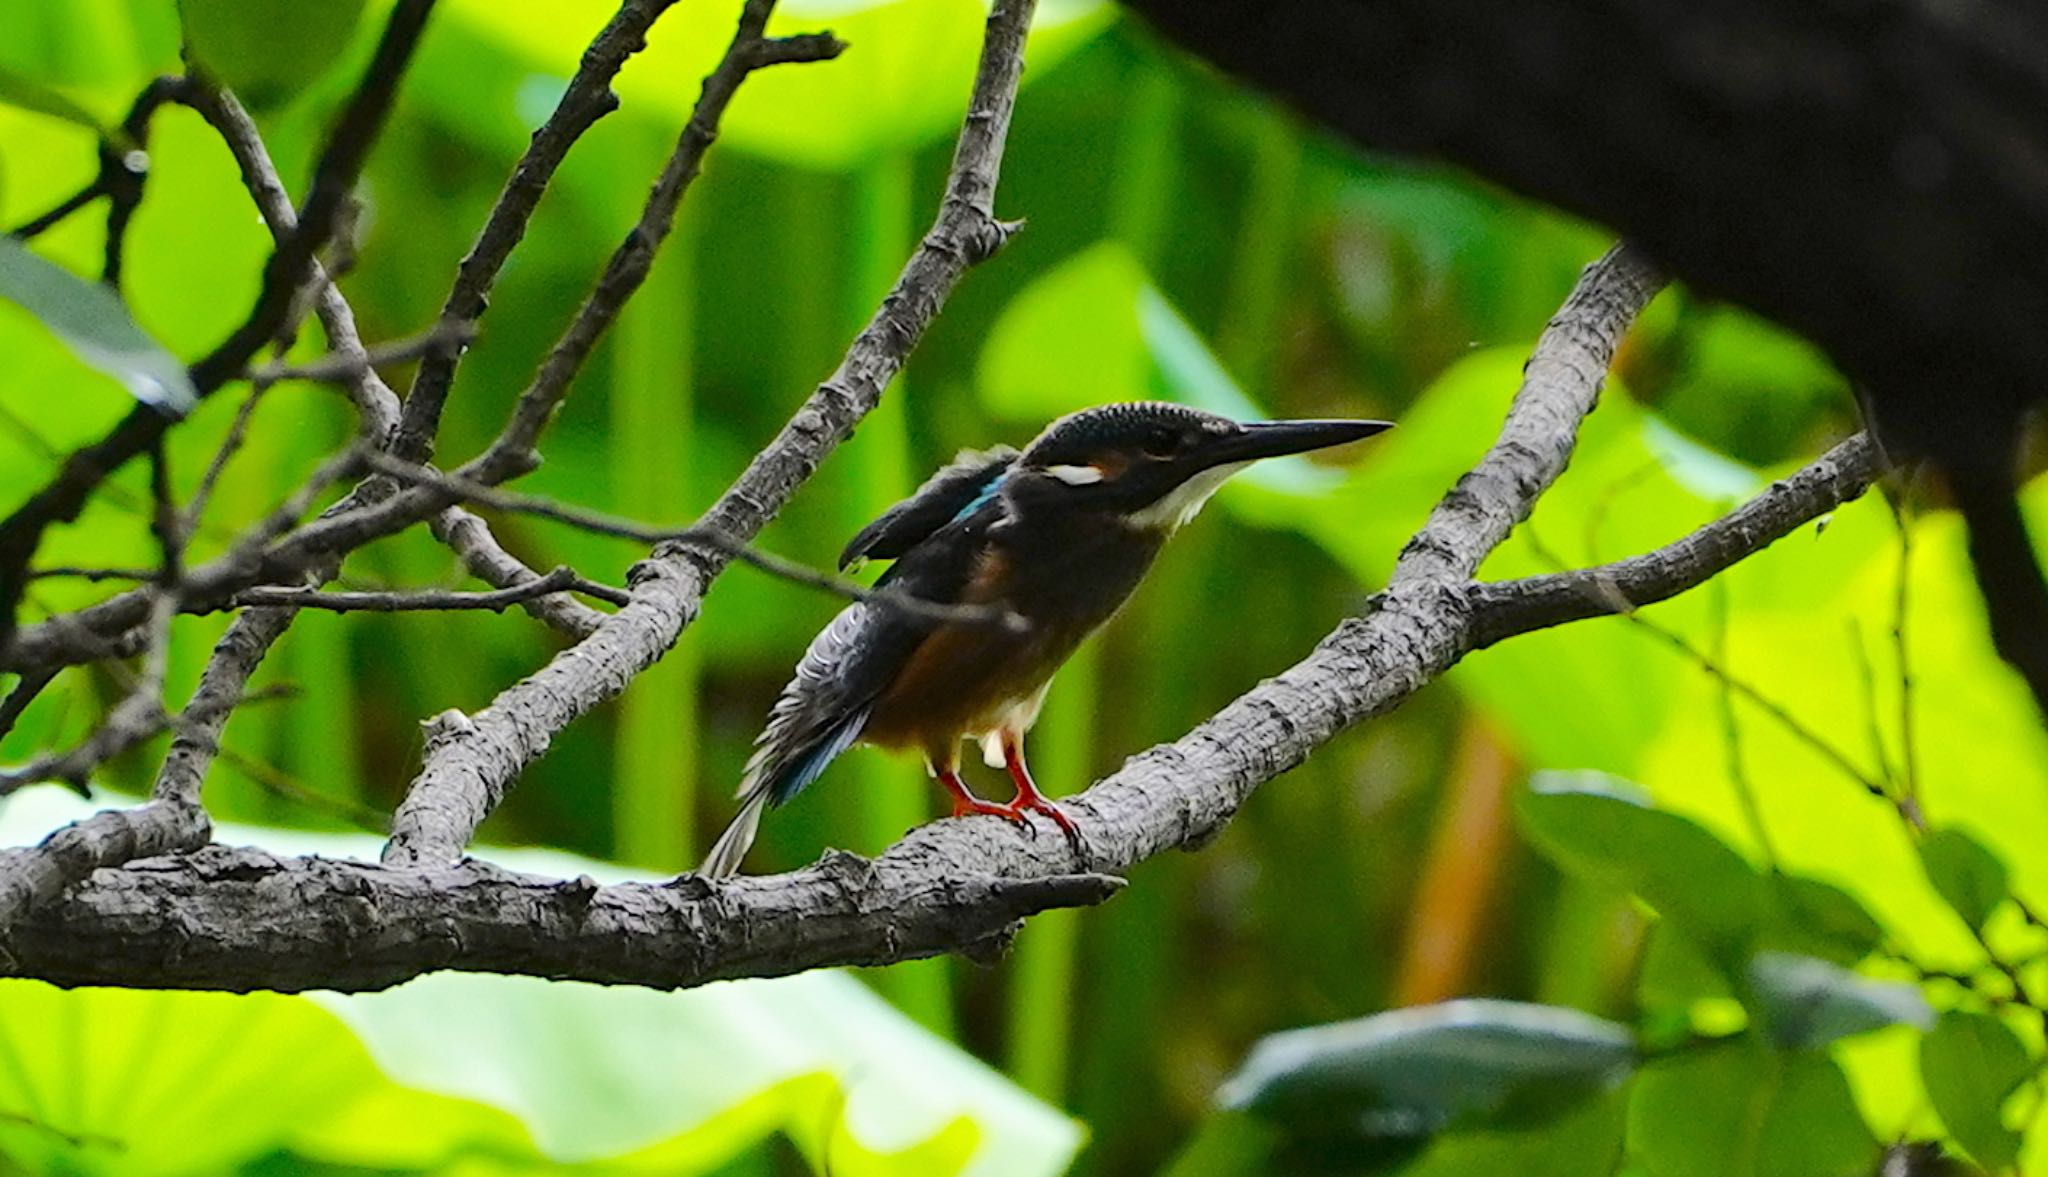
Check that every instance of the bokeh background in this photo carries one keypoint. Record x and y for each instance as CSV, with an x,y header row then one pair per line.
x,y
1185,239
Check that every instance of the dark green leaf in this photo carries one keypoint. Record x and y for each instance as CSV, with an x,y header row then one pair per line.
x,y
1583,1143
1968,877
1587,824
1225,1145
1820,919
1971,1062
27,94
94,324
1806,1002
1412,1072
263,53
1743,1110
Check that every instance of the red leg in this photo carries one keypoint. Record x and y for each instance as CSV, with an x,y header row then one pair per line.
x,y
1028,797
965,802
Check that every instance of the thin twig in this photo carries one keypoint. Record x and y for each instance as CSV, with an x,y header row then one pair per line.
x,y
470,538
1615,601
560,580
279,783
347,364
123,164
25,691
230,445
139,716
1790,723
585,99
1866,674
1731,732
513,451
95,575
1909,758
600,523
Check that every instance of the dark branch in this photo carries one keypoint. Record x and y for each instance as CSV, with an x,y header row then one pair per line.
x,y
513,452
587,98
123,165
1513,607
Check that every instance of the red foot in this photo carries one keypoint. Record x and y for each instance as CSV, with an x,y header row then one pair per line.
x,y
965,802
1028,797
1039,804
963,806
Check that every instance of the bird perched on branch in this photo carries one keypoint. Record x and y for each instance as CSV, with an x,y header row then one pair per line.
x,y
1050,542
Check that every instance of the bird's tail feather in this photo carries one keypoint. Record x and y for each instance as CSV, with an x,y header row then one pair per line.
x,y
771,779
732,845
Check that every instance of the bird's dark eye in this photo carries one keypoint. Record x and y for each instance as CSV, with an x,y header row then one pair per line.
x,y
1162,445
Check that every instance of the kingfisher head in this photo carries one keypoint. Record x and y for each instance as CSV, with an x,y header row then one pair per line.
x,y
1152,464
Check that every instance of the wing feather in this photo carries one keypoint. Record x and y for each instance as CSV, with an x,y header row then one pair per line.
x,y
956,491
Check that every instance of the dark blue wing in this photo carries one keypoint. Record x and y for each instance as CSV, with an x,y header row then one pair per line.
x,y
954,492
853,660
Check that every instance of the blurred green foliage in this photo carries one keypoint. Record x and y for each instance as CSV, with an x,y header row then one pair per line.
x,y
1726,897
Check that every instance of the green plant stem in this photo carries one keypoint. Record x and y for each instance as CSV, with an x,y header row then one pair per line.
x,y
874,471
1265,254
1042,991
1148,163
653,426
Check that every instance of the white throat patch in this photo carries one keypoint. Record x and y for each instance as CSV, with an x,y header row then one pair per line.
x,y
1183,502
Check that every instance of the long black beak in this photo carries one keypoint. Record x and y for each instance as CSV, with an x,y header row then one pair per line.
x,y
1273,439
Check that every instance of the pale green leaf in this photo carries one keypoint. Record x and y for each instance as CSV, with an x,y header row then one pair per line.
x,y
94,324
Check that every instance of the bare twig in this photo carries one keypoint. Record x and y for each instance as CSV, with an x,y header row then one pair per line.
x,y
1731,734
278,783
139,716
487,560
73,572
1792,724
375,403
348,364
223,686
601,523
466,775
587,98
25,691
124,164
513,453
1517,606
1909,759
561,579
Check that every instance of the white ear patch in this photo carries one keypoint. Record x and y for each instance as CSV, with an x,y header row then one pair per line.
x,y
1076,475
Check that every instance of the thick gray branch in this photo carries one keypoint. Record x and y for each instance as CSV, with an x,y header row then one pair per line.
x,y
244,919
371,926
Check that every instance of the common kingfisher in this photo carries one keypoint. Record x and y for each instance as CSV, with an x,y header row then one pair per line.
x,y
1058,535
